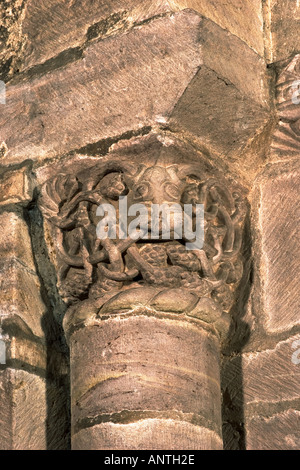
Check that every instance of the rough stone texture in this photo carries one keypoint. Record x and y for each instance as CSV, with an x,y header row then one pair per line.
x,y
34,32
20,297
21,303
32,412
22,411
27,352
61,110
231,437
286,138
11,39
147,435
84,77
260,390
280,432
51,27
264,378
248,74
282,28
23,401
15,240
116,368
277,239
242,18
16,187
229,121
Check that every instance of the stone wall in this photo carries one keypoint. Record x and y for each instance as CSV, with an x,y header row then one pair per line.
x,y
209,84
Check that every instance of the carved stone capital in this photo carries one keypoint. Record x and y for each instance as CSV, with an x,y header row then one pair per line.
x,y
103,276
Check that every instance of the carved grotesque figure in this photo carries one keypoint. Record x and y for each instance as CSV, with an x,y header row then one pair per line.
x,y
93,268
158,185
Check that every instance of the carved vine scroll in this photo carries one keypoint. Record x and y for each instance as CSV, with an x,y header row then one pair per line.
x,y
89,267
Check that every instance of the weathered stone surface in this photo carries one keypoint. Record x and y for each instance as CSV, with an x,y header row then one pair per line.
x,y
58,415
277,241
123,301
20,297
84,78
98,97
16,187
116,367
27,352
174,300
282,29
23,411
15,240
231,437
6,441
242,18
280,432
59,112
11,39
50,27
33,412
248,74
38,31
229,121
147,435
264,374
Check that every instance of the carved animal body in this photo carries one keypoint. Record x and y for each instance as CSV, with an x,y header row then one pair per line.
x,y
91,267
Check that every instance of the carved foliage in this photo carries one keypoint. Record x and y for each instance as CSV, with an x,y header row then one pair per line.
x,y
287,136
90,267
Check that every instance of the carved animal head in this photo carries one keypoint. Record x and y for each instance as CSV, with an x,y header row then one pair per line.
x,y
158,185
113,186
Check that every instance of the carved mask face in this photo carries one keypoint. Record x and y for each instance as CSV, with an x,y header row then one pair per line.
x,y
158,185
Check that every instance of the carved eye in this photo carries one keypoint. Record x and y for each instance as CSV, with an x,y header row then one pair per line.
x,y
141,191
172,190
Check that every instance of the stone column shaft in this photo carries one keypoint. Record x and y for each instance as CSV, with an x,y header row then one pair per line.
x,y
145,382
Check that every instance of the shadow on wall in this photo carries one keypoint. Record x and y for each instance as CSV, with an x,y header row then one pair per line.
x,y
58,423
232,371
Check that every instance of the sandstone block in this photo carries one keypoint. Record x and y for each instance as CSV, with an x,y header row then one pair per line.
x,y
15,240
147,435
242,18
50,27
229,120
280,432
282,29
21,301
277,244
258,381
33,412
15,187
121,84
